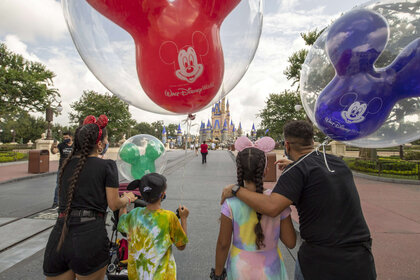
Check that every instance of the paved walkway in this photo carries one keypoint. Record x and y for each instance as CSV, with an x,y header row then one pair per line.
x,y
392,212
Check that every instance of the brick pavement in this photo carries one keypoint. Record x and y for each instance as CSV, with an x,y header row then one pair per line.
x,y
20,170
392,212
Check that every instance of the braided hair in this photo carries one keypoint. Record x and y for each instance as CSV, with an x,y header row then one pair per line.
x,y
250,164
84,143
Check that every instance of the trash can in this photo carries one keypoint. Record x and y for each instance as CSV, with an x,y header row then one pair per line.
x,y
39,161
270,175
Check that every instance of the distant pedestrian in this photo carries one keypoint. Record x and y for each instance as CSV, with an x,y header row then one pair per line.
x,y
152,231
64,148
213,146
252,238
196,149
204,151
78,246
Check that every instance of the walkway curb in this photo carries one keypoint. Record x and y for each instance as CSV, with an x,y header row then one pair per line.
x,y
385,179
28,177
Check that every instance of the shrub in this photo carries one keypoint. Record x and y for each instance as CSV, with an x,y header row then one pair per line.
x,y
385,166
412,155
11,156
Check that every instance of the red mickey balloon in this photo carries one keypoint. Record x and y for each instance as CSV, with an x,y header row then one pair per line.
x,y
179,55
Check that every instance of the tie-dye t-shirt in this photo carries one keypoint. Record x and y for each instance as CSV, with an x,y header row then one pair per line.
x,y
245,261
151,234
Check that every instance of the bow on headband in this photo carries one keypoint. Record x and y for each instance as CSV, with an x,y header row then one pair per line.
x,y
265,144
101,122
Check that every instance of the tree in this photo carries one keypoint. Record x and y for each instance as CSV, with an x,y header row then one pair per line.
x,y
93,103
24,85
171,129
26,127
143,128
279,109
297,59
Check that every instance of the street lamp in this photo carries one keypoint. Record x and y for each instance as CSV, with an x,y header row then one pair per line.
x,y
49,118
1,132
13,135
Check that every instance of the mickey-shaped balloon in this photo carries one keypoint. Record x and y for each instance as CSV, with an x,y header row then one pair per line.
x,y
360,97
142,161
179,55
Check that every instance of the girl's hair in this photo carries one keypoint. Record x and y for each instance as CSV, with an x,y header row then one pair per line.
x,y
84,143
250,164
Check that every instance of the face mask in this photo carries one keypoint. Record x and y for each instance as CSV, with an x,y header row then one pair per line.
x,y
164,196
285,152
105,149
66,141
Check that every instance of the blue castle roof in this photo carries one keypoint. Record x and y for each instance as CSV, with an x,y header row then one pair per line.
x,y
164,131
216,124
225,126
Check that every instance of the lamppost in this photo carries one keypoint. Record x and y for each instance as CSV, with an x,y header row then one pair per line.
x,y
13,135
1,132
49,118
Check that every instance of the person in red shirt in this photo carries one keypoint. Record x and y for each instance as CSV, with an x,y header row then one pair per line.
x,y
204,152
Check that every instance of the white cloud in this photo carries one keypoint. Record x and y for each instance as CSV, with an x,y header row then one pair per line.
x,y
32,20
15,45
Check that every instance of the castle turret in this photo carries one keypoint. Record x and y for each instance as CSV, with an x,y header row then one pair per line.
x,y
253,132
179,136
208,131
240,132
164,136
225,131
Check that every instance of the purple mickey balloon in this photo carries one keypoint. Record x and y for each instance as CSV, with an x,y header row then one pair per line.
x,y
360,97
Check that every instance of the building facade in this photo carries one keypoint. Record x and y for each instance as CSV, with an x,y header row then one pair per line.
x,y
221,128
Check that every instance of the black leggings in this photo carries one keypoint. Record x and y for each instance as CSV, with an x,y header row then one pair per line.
x,y
204,157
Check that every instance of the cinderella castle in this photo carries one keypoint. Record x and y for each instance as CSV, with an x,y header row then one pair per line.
x,y
221,128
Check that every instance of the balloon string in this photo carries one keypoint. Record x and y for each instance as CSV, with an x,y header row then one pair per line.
x,y
189,124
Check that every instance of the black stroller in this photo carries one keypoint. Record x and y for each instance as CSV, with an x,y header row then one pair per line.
x,y
117,267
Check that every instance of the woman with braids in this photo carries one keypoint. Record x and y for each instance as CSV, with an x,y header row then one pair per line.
x,y
254,251
78,246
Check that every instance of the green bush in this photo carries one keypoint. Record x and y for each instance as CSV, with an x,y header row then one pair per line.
x,y
385,166
412,155
7,147
12,156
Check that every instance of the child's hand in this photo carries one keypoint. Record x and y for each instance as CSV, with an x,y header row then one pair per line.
x,y
130,195
183,211
282,163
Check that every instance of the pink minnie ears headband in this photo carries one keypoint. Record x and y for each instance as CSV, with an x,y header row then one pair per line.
x,y
101,122
265,144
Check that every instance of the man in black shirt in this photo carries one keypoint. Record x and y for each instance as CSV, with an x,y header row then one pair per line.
x,y
337,243
64,148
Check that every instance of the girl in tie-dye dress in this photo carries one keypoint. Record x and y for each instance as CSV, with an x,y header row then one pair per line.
x,y
254,251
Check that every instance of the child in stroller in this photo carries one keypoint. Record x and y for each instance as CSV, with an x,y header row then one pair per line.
x,y
117,268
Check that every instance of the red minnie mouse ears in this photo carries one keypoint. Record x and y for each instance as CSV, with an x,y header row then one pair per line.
x,y
101,122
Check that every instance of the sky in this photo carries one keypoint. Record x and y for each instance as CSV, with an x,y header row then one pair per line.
x,y
37,30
